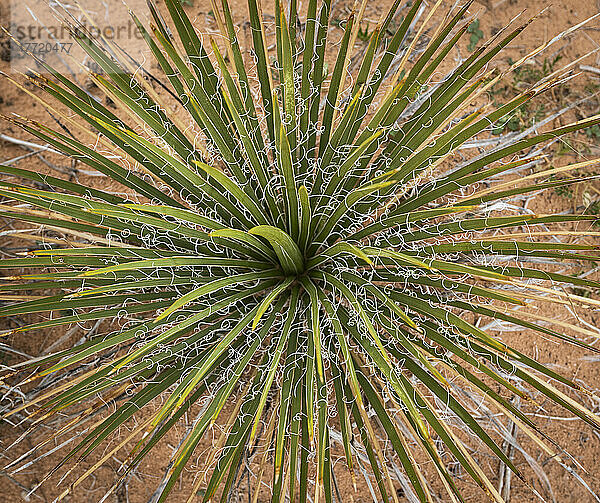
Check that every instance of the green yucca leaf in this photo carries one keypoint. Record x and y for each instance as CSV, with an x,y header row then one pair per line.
x,y
290,257
294,255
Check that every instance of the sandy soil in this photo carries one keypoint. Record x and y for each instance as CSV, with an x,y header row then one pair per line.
x,y
576,437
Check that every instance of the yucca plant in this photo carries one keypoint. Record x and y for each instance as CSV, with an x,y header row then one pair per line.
x,y
296,257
